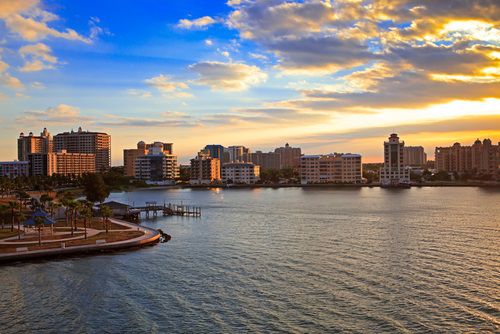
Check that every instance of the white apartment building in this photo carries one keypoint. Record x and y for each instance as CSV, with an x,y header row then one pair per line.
x,y
394,171
331,168
240,173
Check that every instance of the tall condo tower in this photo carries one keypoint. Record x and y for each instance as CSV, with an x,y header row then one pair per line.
x,y
394,172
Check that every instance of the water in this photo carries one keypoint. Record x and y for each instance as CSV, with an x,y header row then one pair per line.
x,y
281,260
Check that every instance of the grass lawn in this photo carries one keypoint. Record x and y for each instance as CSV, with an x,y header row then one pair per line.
x,y
6,233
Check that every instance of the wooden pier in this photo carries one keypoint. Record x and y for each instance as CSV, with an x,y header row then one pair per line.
x,y
151,209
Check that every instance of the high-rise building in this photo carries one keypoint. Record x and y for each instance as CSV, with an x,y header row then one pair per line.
x,y
331,168
205,169
97,143
61,163
394,171
414,156
240,173
33,144
74,164
266,161
290,156
216,151
238,153
130,155
42,164
482,157
13,169
156,165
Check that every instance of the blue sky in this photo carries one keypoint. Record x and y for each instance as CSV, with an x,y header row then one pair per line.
x,y
326,75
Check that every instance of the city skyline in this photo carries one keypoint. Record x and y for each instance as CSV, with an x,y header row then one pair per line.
x,y
326,76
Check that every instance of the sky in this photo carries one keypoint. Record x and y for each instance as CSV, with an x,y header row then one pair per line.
x,y
327,76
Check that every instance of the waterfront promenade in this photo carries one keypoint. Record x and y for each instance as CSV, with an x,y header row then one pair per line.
x,y
130,236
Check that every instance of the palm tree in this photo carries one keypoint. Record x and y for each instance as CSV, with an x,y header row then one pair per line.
x,y
53,206
73,207
23,198
4,210
39,224
86,213
65,203
20,216
106,212
12,207
45,199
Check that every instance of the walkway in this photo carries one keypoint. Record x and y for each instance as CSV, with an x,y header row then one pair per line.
x,y
150,236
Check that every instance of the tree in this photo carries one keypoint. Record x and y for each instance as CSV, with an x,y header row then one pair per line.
x,y
86,213
106,212
73,211
441,176
52,207
23,198
94,188
4,210
20,216
39,224
45,199
13,207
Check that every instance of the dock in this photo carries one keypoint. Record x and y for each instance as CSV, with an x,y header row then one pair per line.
x,y
151,209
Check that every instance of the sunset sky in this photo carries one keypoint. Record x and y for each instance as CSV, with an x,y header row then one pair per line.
x,y
328,76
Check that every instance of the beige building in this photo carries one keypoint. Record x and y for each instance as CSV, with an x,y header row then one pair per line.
x,y
86,142
130,155
33,144
240,173
414,156
290,156
74,164
205,169
61,163
270,160
482,157
331,168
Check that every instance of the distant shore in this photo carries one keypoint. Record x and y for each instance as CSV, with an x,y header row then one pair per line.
x,y
322,185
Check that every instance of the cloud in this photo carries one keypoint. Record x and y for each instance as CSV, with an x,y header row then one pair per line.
x,y
167,86
37,85
321,37
459,124
37,57
405,90
139,93
170,119
27,19
61,114
8,80
96,30
303,35
228,76
199,23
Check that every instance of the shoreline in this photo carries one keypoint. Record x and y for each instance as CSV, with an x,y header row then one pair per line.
x,y
150,237
324,185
